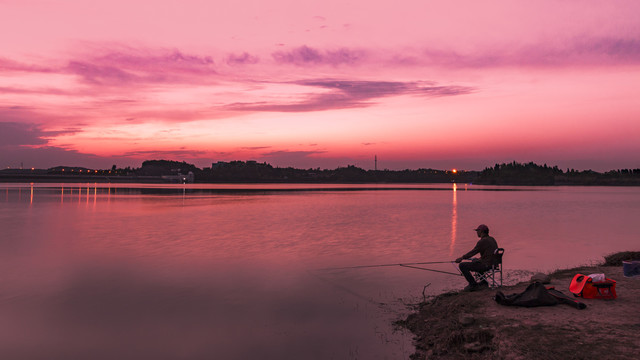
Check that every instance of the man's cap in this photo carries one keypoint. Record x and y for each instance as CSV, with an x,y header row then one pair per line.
x,y
482,227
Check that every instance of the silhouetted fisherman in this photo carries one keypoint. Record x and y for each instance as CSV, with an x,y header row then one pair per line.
x,y
486,247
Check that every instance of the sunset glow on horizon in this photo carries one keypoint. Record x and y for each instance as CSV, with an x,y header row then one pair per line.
x,y
419,84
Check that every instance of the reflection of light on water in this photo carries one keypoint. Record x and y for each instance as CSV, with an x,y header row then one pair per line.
x,y
31,198
86,193
454,219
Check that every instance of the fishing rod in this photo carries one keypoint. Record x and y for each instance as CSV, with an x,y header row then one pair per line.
x,y
440,271
347,290
384,265
367,299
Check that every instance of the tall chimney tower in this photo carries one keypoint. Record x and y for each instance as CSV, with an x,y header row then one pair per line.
x,y
375,162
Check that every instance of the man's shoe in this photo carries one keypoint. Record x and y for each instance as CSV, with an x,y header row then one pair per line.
x,y
483,283
472,287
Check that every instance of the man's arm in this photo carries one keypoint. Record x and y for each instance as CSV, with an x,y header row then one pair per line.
x,y
474,251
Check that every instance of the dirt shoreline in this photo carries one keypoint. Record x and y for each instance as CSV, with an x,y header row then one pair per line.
x,y
471,325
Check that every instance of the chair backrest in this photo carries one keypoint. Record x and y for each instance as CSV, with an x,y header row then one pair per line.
x,y
498,256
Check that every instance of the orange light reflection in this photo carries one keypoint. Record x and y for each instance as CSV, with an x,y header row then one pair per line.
x,y
454,219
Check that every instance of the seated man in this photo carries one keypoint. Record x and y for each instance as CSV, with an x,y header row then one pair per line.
x,y
486,247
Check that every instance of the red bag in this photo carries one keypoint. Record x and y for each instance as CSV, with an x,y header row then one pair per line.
x,y
584,286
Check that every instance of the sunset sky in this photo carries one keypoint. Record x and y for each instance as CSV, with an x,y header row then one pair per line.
x,y
419,84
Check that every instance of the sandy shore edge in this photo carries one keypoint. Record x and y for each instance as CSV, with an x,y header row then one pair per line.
x,y
471,325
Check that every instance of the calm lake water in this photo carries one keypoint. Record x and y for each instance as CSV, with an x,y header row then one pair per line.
x,y
101,271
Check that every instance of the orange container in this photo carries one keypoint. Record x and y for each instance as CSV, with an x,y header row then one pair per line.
x,y
583,286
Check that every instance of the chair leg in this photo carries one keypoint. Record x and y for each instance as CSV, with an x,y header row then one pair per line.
x,y
490,277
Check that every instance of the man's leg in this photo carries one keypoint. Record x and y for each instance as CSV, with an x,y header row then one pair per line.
x,y
475,265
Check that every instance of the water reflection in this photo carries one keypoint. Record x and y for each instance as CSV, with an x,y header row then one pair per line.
x,y
221,271
84,192
454,219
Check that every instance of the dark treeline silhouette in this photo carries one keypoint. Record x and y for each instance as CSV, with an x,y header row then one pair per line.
x,y
252,171
513,173
532,174
165,167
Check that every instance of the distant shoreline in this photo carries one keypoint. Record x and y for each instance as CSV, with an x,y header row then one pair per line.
x,y
159,180
240,172
42,178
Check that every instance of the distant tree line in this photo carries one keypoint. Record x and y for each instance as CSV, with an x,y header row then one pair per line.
x,y
252,171
513,173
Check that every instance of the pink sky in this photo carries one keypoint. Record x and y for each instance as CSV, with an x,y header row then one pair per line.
x,y
420,84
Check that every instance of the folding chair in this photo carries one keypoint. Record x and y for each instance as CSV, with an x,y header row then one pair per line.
x,y
490,275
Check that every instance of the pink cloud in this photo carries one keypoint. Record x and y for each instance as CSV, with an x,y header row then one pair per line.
x,y
173,60
19,134
573,52
305,55
161,154
99,74
242,59
27,144
255,147
139,66
8,65
36,91
19,123
50,156
158,86
352,94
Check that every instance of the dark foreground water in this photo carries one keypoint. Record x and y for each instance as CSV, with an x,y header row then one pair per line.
x,y
235,272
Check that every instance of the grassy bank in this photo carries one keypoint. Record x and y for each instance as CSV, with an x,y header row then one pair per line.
x,y
463,325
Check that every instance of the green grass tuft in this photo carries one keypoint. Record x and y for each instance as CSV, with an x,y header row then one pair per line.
x,y
617,258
